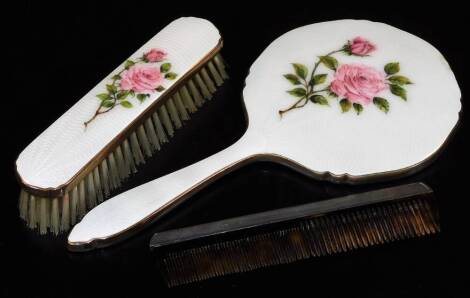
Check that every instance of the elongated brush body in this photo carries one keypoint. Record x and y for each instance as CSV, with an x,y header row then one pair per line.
x,y
88,152
291,234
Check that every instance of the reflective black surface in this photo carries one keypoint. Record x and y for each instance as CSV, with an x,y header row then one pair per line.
x,y
62,52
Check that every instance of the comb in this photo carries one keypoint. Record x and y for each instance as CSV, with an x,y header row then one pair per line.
x,y
130,115
292,234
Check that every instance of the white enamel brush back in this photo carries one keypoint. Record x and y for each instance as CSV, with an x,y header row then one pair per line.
x,y
64,148
345,145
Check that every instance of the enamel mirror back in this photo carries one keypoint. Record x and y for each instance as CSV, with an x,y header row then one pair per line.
x,y
352,99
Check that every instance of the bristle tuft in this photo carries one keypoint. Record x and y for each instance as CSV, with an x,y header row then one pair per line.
x,y
207,80
65,214
203,87
144,141
165,118
74,206
81,199
180,106
152,134
128,156
217,78
123,166
23,204
90,194
220,64
136,152
173,112
54,225
113,171
159,128
187,100
98,186
44,215
105,180
198,99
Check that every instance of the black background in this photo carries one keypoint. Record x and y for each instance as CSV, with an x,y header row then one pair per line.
x,y
59,52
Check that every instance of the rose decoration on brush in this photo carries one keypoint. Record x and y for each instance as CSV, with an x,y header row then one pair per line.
x,y
139,79
155,55
355,85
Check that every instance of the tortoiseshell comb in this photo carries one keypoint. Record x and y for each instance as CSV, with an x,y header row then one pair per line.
x,y
291,234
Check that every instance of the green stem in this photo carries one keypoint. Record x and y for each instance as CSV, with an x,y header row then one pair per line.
x,y
294,106
99,111
309,89
318,62
312,91
113,95
334,52
321,90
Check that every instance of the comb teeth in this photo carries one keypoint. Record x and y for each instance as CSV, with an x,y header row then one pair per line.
x,y
59,214
327,234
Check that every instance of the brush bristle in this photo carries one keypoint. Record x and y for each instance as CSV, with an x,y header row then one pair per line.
x,y
323,235
58,214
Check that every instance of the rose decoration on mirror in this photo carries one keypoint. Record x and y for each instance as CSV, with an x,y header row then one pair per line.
x,y
138,79
355,85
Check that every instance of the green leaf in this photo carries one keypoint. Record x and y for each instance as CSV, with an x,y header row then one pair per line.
x,y
132,93
107,103
400,80
126,104
160,88
345,105
358,108
398,91
318,79
141,97
382,104
331,93
319,99
301,70
298,92
116,77
392,68
293,78
329,62
165,67
103,96
170,76
128,64
111,88
122,95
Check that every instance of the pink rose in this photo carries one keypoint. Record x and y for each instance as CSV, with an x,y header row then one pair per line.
x,y
361,46
155,55
358,83
140,78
